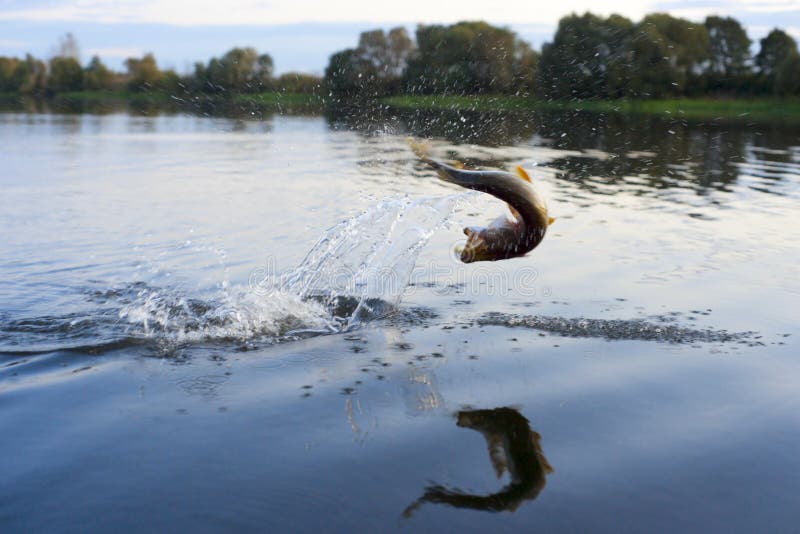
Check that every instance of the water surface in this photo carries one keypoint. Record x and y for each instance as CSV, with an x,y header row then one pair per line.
x,y
212,323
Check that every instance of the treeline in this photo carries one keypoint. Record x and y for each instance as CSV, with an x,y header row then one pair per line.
x,y
240,70
663,56
464,58
589,57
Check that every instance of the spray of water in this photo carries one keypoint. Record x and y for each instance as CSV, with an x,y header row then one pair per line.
x,y
357,271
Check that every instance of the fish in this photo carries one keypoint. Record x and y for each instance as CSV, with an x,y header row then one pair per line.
x,y
514,447
503,238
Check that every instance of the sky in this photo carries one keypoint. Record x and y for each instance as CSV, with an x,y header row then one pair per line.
x,y
301,35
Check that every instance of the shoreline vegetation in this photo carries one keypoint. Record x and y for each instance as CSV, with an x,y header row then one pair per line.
x,y
660,65
758,109
763,108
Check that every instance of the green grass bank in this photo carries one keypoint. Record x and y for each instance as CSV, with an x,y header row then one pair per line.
x,y
701,108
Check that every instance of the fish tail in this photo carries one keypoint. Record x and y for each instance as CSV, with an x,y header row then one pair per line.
x,y
420,148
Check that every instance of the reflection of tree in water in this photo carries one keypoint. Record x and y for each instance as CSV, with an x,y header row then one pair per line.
x,y
61,105
658,152
666,153
488,129
247,109
778,136
513,447
153,105
772,162
638,154
717,152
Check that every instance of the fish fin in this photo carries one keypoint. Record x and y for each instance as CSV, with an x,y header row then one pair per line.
x,y
420,148
522,174
514,212
550,220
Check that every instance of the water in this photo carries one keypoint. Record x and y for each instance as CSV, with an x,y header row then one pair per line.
x,y
211,323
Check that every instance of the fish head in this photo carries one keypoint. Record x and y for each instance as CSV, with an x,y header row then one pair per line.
x,y
476,248
490,244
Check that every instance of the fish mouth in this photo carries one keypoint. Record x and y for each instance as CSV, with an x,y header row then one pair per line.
x,y
464,254
468,254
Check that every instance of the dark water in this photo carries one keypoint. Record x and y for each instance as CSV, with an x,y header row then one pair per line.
x,y
258,324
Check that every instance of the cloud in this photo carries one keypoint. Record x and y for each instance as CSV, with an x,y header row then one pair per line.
x,y
700,9
259,12
301,34
693,13
274,12
115,52
13,43
771,6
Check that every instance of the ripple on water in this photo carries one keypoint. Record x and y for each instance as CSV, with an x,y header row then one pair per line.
x,y
660,328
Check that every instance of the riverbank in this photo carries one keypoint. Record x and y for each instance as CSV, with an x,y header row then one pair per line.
x,y
273,98
704,108
149,101
757,109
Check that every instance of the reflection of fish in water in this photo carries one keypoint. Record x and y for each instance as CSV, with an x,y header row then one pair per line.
x,y
503,238
513,447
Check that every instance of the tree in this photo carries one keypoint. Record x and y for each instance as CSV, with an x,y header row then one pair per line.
x,y
30,75
525,65
586,58
204,75
776,47
374,67
96,76
8,66
348,75
774,57
729,47
239,70
434,66
169,82
467,57
490,56
373,47
143,73
646,71
401,46
296,82
787,76
65,75
686,44
386,52
68,47
263,72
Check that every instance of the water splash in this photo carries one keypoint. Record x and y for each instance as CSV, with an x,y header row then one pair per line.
x,y
370,258
358,270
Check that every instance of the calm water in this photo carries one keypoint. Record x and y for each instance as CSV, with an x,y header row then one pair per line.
x,y
258,323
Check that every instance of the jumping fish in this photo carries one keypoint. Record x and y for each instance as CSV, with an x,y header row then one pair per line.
x,y
502,238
